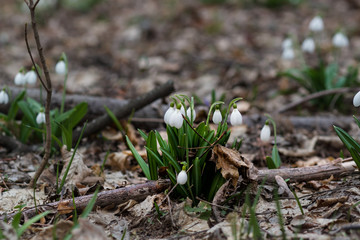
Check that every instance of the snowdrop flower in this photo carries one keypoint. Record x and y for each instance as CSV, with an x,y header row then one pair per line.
x,y
181,177
340,40
316,24
176,119
287,43
40,118
30,77
308,45
217,117
19,79
4,98
60,67
265,132
235,118
288,54
188,113
182,110
168,113
356,99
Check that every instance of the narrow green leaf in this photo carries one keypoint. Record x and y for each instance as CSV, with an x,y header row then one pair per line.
x,y
143,165
14,105
28,223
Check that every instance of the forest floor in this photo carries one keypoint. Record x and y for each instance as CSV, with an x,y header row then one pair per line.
x,y
124,49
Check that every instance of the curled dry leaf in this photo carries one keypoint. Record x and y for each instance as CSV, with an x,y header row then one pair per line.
x,y
231,163
78,170
61,229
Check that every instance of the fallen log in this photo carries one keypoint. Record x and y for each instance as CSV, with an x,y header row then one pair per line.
x,y
109,198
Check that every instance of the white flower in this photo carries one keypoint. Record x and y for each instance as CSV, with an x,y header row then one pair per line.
x,y
40,118
4,98
176,119
340,40
188,113
168,113
217,117
316,24
288,54
308,45
265,133
60,67
30,77
19,79
287,43
235,118
181,177
356,99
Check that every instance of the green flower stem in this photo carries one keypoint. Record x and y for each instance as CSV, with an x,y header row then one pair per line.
x,y
211,108
274,126
63,56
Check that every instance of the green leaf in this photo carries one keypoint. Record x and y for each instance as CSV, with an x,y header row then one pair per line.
x,y
276,157
28,113
115,120
14,106
151,144
173,162
90,205
330,74
143,165
298,76
270,163
79,112
28,223
357,121
143,134
352,146
197,176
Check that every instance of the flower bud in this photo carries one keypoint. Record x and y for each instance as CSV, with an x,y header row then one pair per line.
x,y
217,117
308,45
176,119
30,77
60,67
340,40
168,113
356,99
265,133
4,98
235,118
181,177
40,118
288,54
188,113
19,79
316,24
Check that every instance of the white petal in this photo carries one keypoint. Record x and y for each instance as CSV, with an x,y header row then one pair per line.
x,y
19,79
181,177
316,24
60,68
217,118
4,98
168,113
288,54
176,119
40,118
188,113
287,43
356,99
182,110
265,133
308,45
30,77
235,118
340,40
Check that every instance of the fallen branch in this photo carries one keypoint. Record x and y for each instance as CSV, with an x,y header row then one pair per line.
x,y
123,111
314,96
338,169
110,198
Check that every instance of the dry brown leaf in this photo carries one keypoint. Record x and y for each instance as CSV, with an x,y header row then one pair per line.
x,y
119,161
88,230
64,208
231,163
78,170
112,134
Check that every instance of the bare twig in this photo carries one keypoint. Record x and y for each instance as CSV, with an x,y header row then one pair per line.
x,y
47,85
110,198
124,111
314,96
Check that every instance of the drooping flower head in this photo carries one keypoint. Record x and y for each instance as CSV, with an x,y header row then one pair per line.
x,y
316,24
40,118
308,45
176,119
235,118
356,99
182,176
30,77
265,132
60,67
191,114
20,78
217,117
4,97
340,40
288,54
